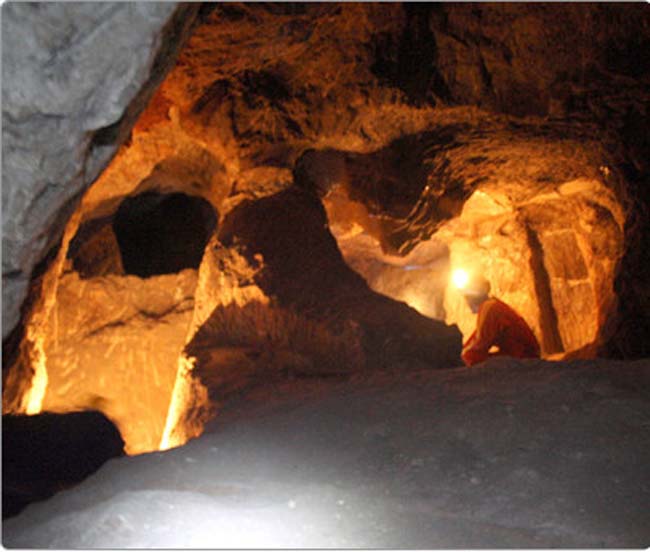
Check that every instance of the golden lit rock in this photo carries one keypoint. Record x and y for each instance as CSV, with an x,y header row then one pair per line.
x,y
298,191
112,344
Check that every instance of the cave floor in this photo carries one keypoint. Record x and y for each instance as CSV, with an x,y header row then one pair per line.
x,y
519,454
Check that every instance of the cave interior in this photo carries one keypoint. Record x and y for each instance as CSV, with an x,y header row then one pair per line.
x,y
290,202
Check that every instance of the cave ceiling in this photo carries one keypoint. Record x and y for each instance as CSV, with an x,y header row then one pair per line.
x,y
415,103
407,111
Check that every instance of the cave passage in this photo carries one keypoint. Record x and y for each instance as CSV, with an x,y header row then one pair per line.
x,y
296,192
537,248
111,337
162,233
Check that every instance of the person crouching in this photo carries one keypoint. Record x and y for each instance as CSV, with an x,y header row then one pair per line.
x,y
498,325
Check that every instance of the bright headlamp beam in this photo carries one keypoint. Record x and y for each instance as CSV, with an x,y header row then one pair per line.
x,y
460,278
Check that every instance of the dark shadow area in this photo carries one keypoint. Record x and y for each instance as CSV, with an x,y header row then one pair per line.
x,y
551,338
304,270
630,329
162,233
94,250
409,62
242,347
409,186
47,453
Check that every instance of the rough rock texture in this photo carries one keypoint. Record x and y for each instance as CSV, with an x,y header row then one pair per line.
x,y
510,454
542,59
113,342
541,221
165,162
395,123
575,63
74,78
273,304
560,248
279,95
241,347
512,138
94,250
305,271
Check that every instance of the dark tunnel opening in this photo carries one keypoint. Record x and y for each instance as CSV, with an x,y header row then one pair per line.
x,y
162,233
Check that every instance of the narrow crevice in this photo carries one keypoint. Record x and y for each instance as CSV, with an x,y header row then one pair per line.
x,y
551,338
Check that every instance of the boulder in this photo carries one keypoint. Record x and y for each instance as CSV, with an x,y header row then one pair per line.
x,y
48,452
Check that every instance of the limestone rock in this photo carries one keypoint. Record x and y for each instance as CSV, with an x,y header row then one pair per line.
x,y
529,59
94,250
117,339
513,136
305,271
74,78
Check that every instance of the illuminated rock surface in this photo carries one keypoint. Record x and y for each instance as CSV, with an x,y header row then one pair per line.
x,y
507,454
133,331
288,141
440,83
323,288
75,78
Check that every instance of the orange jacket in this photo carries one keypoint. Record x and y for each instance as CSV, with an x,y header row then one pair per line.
x,y
498,324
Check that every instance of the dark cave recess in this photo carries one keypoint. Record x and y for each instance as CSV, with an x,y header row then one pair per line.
x,y
151,233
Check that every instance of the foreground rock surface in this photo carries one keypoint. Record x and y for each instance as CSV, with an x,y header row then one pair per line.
x,y
508,454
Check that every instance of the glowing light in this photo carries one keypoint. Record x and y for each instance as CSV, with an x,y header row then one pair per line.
x,y
176,405
33,399
189,408
460,278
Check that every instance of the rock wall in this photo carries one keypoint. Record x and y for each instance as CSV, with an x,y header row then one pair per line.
x,y
542,59
112,342
351,76
304,270
531,206
577,63
412,110
74,79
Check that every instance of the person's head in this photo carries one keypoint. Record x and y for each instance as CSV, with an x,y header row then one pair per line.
x,y
476,292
